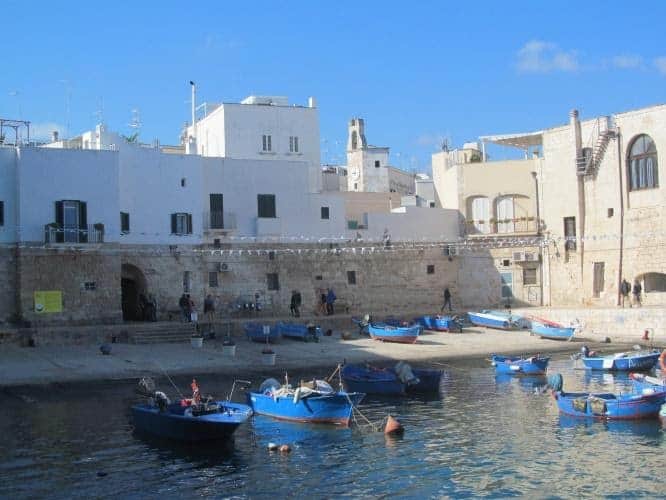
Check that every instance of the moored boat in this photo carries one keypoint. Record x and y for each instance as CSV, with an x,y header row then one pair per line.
x,y
315,402
189,420
389,333
258,332
533,365
552,330
400,379
440,323
490,319
635,405
299,331
622,361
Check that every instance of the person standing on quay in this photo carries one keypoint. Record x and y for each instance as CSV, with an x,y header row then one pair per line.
x,y
209,310
637,293
625,288
447,300
330,300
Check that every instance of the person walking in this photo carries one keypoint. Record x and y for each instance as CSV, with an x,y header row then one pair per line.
x,y
294,306
447,300
192,310
184,305
625,288
637,293
321,303
330,301
209,311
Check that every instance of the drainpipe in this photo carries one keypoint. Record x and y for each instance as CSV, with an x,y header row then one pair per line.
x,y
620,174
538,228
575,130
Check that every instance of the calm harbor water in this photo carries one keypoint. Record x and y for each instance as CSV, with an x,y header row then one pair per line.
x,y
484,436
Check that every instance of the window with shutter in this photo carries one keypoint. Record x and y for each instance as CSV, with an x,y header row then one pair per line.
x,y
181,223
2,213
266,206
124,222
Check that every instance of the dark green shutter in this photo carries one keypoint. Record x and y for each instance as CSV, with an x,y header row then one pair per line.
x,y
189,223
83,222
216,211
173,224
59,220
2,213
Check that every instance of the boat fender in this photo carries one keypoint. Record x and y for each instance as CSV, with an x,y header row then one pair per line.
x,y
297,395
285,448
662,361
393,426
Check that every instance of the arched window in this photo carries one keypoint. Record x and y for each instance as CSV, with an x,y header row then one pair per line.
x,y
354,140
642,164
479,209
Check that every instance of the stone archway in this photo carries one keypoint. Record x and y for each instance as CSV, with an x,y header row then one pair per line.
x,y
133,284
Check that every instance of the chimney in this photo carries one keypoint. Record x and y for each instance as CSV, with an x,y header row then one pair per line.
x,y
575,130
54,136
312,102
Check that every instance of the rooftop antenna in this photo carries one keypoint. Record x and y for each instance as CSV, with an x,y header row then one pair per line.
x,y
99,114
68,98
194,106
135,124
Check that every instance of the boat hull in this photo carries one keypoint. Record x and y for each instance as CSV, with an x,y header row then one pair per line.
x,y
399,334
488,320
298,331
429,381
536,365
637,362
385,382
610,406
184,427
255,333
552,332
333,408
439,323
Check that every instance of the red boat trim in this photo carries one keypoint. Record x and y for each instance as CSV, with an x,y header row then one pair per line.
x,y
400,339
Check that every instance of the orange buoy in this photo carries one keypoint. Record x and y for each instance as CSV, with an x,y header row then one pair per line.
x,y
393,426
662,361
285,448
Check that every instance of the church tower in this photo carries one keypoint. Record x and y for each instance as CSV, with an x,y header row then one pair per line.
x,y
356,138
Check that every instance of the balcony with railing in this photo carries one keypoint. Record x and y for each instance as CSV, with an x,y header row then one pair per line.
x,y
90,233
219,222
520,225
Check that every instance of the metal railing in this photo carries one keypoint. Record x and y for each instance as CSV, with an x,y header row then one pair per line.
x,y
219,221
92,233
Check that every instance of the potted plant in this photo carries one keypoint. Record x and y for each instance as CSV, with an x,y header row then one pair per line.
x,y
197,339
229,346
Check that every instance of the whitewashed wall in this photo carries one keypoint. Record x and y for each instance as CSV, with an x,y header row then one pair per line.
x,y
8,193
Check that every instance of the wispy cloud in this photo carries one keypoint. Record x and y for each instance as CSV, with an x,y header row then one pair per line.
x,y
42,131
430,140
537,56
627,61
660,64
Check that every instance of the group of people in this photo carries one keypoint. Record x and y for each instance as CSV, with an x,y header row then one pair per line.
x,y
636,291
188,309
327,300
147,307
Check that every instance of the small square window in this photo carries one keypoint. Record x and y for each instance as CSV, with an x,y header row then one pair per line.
x,y
611,212
432,204
273,282
90,285
529,276
506,262
319,277
183,182
325,213
271,255
377,164
351,277
430,269
212,279
124,222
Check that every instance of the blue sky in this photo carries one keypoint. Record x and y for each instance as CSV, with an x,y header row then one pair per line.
x,y
416,71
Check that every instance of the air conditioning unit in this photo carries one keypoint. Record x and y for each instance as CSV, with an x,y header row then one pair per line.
x,y
518,256
222,267
531,257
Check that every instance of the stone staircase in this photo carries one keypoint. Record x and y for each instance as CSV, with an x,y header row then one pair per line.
x,y
163,332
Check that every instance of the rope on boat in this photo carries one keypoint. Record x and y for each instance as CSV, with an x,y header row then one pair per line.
x,y
355,411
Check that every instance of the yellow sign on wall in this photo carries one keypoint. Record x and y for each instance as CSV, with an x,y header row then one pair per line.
x,y
48,301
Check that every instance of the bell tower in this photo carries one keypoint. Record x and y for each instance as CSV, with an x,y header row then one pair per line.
x,y
356,138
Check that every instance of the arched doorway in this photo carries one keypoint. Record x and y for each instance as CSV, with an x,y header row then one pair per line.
x,y
133,284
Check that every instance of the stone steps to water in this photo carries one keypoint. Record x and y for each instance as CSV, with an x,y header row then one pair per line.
x,y
163,334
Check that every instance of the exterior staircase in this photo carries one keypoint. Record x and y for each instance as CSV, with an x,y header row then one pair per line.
x,y
162,332
590,159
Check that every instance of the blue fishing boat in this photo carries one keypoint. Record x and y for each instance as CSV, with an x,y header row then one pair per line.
x,y
491,319
622,361
534,365
635,405
190,420
299,331
257,332
440,323
552,330
400,379
389,333
316,402
642,382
